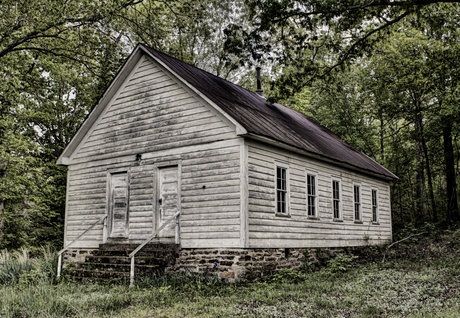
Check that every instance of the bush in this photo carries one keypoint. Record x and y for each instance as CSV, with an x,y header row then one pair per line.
x,y
19,267
341,263
288,275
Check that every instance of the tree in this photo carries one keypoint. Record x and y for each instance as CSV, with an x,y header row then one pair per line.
x,y
312,38
57,58
191,31
51,60
400,105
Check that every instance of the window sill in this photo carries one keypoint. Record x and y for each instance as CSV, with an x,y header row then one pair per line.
x,y
338,220
313,217
375,223
282,215
358,222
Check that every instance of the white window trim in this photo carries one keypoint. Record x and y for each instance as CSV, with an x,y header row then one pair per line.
x,y
360,220
340,218
315,174
288,190
377,212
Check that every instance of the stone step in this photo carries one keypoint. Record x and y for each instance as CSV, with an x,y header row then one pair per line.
x,y
98,274
140,260
108,275
147,253
111,261
110,267
151,247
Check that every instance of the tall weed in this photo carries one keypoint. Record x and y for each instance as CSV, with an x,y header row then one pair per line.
x,y
18,267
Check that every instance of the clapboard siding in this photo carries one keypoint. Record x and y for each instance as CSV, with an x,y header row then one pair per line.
x,y
226,184
268,230
214,209
158,117
147,118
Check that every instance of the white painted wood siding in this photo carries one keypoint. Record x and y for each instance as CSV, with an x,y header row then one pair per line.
x,y
268,230
156,116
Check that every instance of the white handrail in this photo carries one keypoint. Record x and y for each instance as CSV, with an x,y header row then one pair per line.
x,y
59,267
148,240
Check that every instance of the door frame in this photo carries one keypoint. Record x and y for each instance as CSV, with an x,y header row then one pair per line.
x,y
156,190
108,210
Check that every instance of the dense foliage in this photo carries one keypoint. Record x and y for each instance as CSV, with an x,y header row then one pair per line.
x,y
382,76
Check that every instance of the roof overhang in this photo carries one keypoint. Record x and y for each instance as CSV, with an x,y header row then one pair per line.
x,y
322,158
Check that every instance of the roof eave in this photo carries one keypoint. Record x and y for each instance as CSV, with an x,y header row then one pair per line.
x,y
319,157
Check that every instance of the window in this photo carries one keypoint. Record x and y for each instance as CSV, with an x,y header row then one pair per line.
x,y
281,190
357,201
336,199
311,195
374,206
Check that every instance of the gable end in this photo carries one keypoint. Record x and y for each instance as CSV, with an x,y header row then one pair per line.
x,y
114,89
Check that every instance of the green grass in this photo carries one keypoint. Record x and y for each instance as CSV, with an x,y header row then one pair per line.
x,y
422,283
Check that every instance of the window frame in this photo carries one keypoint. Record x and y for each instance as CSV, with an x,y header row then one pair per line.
x,y
340,218
287,190
360,202
316,195
377,206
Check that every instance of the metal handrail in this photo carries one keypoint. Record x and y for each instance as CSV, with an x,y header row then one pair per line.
x,y
59,269
148,240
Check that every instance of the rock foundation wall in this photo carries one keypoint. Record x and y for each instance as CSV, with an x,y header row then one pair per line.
x,y
76,255
233,264
236,264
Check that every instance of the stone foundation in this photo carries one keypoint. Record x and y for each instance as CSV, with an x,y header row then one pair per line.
x,y
233,264
247,264
76,255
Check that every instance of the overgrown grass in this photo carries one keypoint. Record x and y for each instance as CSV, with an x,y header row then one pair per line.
x,y
20,268
420,278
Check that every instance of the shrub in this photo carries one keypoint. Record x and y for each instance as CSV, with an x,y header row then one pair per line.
x,y
288,275
341,263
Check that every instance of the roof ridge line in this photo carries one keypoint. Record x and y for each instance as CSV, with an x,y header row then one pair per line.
x,y
203,70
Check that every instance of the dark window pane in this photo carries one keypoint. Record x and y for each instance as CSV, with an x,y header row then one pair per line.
x,y
281,190
356,192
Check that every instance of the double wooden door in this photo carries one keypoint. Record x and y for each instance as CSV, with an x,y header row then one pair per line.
x,y
167,205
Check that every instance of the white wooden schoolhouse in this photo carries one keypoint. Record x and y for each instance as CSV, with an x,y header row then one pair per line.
x,y
175,155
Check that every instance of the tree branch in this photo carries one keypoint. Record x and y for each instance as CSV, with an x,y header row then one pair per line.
x,y
397,242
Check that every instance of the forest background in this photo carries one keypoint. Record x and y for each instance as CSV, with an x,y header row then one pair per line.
x,y
382,75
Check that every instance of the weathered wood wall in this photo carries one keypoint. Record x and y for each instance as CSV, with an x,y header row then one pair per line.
x,y
158,117
227,185
268,230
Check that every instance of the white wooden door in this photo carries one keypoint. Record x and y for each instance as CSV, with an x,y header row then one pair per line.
x,y
118,208
168,198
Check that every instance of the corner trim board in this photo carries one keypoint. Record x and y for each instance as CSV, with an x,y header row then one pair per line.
x,y
244,193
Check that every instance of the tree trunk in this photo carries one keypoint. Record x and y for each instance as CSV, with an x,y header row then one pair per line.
x,y
1,222
382,136
453,214
2,207
424,149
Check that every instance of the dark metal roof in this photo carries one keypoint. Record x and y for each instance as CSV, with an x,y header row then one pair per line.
x,y
273,121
